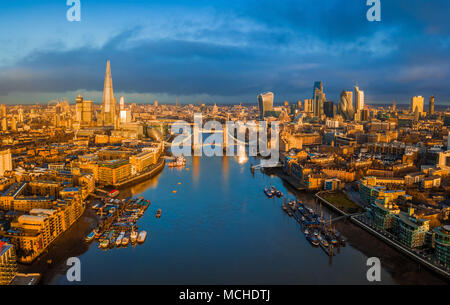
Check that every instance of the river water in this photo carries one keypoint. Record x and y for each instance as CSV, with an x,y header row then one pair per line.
x,y
220,228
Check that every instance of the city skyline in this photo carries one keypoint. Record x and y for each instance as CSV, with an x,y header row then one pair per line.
x,y
225,56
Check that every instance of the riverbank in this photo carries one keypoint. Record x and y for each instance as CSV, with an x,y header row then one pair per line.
x,y
70,244
403,269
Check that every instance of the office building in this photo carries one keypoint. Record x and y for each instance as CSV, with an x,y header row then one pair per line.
x,y
417,104
5,161
431,106
265,103
346,105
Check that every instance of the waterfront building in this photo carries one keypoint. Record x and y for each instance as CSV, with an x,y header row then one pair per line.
x,y
417,104
109,107
442,245
384,214
8,263
265,104
143,160
411,230
5,162
114,171
35,231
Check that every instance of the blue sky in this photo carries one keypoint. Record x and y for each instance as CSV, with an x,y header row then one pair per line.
x,y
224,51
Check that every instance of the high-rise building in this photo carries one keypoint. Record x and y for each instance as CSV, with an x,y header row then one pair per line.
x,y
2,110
329,109
431,106
308,106
265,103
359,99
78,108
417,104
109,108
122,103
346,105
318,98
87,113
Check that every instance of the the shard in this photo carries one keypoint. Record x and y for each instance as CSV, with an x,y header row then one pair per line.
x,y
109,109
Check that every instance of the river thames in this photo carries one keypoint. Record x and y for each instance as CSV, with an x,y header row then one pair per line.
x,y
220,228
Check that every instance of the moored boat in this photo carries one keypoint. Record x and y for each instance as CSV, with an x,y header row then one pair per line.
x,y
125,241
142,236
90,237
133,236
105,243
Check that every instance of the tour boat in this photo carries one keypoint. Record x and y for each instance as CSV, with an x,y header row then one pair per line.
x,y
142,236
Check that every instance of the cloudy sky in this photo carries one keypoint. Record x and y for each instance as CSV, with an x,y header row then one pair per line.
x,y
224,51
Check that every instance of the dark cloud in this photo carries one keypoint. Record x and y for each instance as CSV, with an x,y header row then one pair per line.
x,y
286,47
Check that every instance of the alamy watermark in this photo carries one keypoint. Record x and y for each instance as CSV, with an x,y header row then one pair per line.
x,y
374,12
73,274
374,272
74,11
232,139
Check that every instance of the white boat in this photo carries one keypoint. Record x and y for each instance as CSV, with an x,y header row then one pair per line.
x,y
133,236
125,241
119,241
142,236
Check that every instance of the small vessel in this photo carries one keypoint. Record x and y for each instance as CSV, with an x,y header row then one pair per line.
x,y
105,243
158,213
142,236
125,241
323,241
268,192
119,241
313,240
113,193
133,236
90,237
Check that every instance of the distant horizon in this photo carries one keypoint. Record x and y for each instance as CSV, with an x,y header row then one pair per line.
x,y
224,52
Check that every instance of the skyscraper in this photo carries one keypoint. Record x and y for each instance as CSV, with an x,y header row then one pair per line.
x,y
109,108
431,105
308,106
265,103
329,109
359,99
417,104
346,105
318,98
